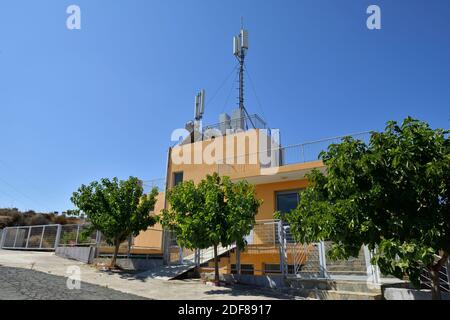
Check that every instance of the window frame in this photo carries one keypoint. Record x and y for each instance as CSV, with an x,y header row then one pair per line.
x,y
296,191
174,184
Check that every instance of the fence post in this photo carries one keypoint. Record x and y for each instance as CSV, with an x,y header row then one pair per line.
x,y
196,256
130,239
282,248
238,261
303,153
15,237
42,237
58,236
448,272
181,255
369,267
28,236
98,239
165,247
3,237
373,272
322,260
76,238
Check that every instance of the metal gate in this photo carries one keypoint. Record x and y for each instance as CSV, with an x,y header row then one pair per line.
x,y
45,237
309,261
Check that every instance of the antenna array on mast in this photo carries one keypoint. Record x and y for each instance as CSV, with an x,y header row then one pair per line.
x,y
240,47
199,108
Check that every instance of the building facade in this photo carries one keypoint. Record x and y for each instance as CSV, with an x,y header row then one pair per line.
x,y
278,174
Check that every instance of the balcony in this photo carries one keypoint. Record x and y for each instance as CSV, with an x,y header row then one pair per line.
x,y
286,163
282,163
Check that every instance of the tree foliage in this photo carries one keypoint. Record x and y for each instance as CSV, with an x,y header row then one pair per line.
x,y
118,209
214,212
391,194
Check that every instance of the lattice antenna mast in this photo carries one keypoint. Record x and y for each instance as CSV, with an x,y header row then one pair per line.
x,y
240,47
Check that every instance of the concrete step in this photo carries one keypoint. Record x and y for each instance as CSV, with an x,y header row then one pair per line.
x,y
334,285
338,295
166,272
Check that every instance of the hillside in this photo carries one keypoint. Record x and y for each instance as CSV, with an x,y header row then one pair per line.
x,y
10,217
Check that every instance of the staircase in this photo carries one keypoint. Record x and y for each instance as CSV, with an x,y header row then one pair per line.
x,y
327,289
207,255
170,272
306,260
354,266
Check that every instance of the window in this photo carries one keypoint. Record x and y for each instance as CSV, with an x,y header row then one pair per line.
x,y
272,269
245,269
287,201
177,178
276,269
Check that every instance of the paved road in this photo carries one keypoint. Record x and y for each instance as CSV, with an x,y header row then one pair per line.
x,y
26,284
127,286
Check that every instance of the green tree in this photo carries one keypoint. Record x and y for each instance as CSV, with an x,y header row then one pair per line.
x,y
214,212
118,209
392,195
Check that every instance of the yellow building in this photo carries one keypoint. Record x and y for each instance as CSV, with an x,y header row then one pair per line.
x,y
277,184
241,147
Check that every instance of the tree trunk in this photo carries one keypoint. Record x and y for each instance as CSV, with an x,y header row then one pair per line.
x,y
216,266
116,251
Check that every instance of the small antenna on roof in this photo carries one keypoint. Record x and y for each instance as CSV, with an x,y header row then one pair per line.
x,y
199,107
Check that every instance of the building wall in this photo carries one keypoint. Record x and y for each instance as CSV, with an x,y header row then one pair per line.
x,y
152,238
267,193
244,163
257,256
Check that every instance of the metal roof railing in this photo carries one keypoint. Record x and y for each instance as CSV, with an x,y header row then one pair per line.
x,y
253,121
160,184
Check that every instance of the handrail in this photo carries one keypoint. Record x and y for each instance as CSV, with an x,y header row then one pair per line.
x,y
279,148
248,117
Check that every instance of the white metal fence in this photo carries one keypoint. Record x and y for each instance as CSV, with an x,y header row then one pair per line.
x,y
77,235
31,237
46,237
310,151
50,237
272,240
444,277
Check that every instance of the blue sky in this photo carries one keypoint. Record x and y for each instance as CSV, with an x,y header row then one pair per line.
x,y
79,105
